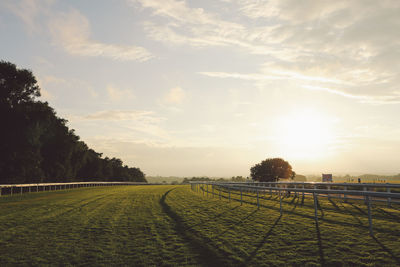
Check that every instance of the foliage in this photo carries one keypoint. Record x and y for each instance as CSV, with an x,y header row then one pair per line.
x,y
271,170
37,146
173,226
300,178
239,179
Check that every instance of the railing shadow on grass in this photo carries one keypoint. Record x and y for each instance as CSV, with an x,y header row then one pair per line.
x,y
238,224
213,217
261,243
275,207
208,255
387,250
334,204
320,249
391,215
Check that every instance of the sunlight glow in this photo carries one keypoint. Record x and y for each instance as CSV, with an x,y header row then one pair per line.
x,y
305,135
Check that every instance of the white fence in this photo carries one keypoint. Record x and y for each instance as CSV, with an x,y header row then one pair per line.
x,y
10,189
345,191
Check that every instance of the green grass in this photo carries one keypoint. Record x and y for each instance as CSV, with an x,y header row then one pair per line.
x,y
172,225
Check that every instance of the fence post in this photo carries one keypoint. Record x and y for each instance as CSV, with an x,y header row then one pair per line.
x,y
207,189
344,194
369,215
365,198
280,201
241,197
389,199
21,190
315,196
229,190
329,195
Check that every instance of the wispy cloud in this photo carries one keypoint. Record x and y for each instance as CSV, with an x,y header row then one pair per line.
x,y
175,96
28,11
322,42
117,94
121,115
71,31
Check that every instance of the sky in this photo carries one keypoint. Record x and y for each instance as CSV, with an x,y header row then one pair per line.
x,y
210,88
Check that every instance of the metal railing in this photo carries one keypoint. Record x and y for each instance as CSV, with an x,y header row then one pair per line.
x,y
12,189
349,191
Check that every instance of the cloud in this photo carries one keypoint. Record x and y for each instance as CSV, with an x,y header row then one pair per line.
x,y
122,125
116,94
347,46
71,31
121,115
175,96
29,11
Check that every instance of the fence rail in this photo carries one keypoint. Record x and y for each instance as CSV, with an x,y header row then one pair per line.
x,y
10,189
330,190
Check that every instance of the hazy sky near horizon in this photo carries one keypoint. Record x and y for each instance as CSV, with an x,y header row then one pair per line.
x,y
191,88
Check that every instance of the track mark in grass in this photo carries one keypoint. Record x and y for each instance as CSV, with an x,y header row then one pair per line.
x,y
261,243
208,256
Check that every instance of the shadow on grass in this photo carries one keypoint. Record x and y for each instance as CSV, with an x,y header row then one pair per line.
x,y
207,254
239,223
321,251
214,217
275,207
358,208
352,214
295,204
261,243
334,204
386,249
387,213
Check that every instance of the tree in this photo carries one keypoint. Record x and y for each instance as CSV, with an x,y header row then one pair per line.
x,y
16,85
37,145
271,170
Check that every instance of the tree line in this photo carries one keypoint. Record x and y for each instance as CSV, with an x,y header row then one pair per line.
x,y
37,146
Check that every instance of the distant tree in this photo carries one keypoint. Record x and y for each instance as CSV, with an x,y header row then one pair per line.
x,y
271,170
300,178
238,179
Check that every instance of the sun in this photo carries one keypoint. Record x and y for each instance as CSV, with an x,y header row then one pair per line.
x,y
306,134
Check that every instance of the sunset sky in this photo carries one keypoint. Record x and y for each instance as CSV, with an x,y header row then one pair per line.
x,y
192,88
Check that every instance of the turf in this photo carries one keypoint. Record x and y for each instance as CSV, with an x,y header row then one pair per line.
x,y
174,226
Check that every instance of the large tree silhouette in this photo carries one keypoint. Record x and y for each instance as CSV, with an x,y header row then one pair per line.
x,y
271,170
37,146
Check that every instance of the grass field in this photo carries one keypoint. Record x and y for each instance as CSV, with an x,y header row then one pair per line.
x,y
172,225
